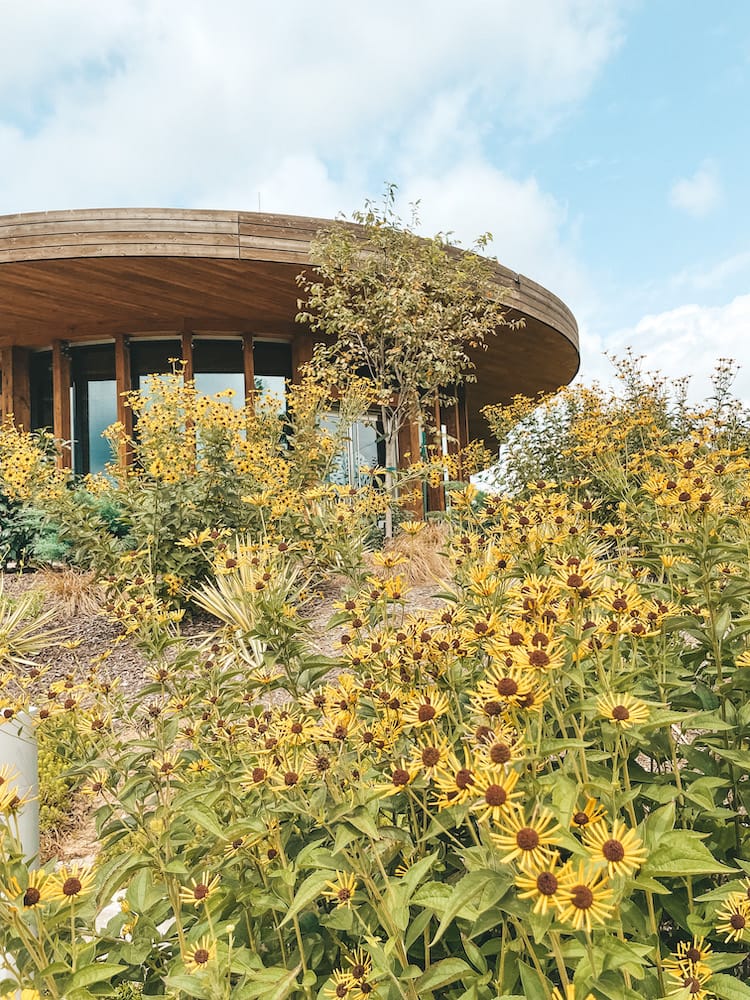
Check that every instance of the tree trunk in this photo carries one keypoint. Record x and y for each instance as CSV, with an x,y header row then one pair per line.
x,y
390,434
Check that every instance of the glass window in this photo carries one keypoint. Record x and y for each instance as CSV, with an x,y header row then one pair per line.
x,y
360,451
94,405
40,374
219,365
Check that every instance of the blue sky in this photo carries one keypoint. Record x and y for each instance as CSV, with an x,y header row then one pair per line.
x,y
604,143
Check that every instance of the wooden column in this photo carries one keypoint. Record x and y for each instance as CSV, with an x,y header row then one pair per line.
x,y
249,366
61,424
5,363
302,350
16,388
124,384
187,355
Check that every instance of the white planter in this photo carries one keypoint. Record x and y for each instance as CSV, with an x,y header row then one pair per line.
x,y
18,748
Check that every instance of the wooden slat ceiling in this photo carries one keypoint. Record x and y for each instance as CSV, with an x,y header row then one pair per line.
x,y
82,275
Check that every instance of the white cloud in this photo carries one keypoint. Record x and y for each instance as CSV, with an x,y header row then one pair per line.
x,y
167,102
530,228
688,340
700,194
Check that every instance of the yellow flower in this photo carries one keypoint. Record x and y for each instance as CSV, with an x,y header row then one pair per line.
x,y
586,898
69,884
542,884
496,788
341,891
591,813
200,954
620,849
623,710
422,708
199,890
733,919
526,843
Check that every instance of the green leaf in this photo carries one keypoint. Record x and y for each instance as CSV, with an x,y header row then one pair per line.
x,y
448,970
728,988
464,892
98,972
680,853
310,889
533,987
204,816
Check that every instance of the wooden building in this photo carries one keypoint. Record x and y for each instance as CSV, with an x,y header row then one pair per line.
x,y
91,301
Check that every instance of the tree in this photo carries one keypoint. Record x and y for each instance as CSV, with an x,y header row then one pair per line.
x,y
402,310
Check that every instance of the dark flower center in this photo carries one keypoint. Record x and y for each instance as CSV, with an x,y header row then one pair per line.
x,y
500,753
200,891
495,795
400,777
538,658
581,818
359,971
581,897
737,921
32,896
613,850
291,778
693,955
527,839
200,956
493,708
430,756
463,778
620,713
426,713
344,894
546,883
507,687
71,886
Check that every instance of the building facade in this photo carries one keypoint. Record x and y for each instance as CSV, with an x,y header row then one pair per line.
x,y
92,301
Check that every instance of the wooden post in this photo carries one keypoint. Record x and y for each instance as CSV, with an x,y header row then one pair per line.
x,y
5,363
61,425
124,384
302,350
249,367
187,355
16,387
436,494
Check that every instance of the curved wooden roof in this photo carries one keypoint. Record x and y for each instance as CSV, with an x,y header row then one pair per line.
x,y
88,274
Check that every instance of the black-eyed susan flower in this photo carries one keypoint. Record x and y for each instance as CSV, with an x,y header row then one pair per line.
x,y
430,754
32,891
69,884
341,890
495,791
421,708
200,889
360,963
691,982
733,918
341,986
591,814
541,884
623,710
455,782
199,955
527,843
620,848
586,897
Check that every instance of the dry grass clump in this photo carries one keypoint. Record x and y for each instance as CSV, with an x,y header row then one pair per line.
x,y
73,591
424,549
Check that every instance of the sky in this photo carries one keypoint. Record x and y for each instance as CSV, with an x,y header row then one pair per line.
x,y
605,144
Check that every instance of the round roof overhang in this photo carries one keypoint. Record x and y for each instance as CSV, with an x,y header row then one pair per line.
x,y
89,274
